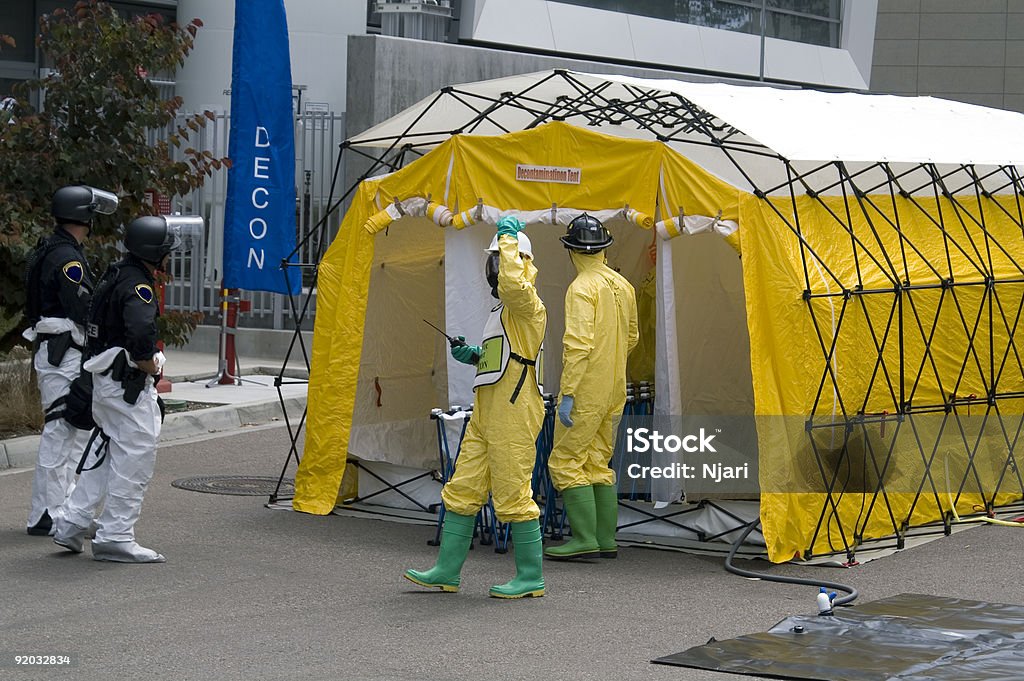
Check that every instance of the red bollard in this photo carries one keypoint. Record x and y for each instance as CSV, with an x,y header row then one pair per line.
x,y
230,354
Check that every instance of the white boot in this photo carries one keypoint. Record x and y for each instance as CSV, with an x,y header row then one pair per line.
x,y
68,535
124,552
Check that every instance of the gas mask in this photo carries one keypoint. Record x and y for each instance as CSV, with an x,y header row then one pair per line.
x,y
491,271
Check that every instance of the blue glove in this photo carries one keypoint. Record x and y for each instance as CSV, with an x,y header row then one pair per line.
x,y
510,226
565,411
466,353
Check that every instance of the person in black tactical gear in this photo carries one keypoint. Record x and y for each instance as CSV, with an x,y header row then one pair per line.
x,y
58,287
123,358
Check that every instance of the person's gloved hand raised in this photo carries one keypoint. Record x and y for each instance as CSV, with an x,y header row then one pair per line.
x,y
510,226
565,411
466,353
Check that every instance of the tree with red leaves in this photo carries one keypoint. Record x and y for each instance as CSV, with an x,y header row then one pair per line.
x,y
95,128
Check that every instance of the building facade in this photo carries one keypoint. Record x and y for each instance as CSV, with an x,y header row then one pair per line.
x,y
824,43
20,20
366,60
967,51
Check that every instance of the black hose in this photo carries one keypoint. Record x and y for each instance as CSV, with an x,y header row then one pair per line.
x,y
851,592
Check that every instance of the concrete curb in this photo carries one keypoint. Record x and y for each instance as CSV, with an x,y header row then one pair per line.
x,y
228,417
20,452
246,371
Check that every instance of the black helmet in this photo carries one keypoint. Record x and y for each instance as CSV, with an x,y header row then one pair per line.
x,y
586,234
80,204
149,238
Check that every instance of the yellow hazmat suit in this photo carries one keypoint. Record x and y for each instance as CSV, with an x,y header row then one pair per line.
x,y
641,360
600,331
499,447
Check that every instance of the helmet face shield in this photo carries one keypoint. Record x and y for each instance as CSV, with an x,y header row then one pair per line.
x,y
183,231
103,202
153,237
173,240
79,204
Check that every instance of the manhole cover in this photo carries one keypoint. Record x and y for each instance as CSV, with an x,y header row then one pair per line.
x,y
239,485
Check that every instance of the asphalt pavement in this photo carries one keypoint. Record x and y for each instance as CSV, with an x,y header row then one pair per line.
x,y
252,593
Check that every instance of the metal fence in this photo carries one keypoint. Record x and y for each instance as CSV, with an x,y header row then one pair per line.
x,y
197,272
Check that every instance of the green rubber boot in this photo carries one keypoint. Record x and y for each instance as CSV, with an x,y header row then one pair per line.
x,y
579,504
456,536
606,501
529,579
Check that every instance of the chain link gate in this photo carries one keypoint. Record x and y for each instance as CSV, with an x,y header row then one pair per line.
x,y
197,272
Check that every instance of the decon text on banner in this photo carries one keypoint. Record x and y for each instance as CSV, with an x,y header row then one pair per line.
x,y
260,197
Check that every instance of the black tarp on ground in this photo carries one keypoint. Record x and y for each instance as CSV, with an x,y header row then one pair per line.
x,y
910,636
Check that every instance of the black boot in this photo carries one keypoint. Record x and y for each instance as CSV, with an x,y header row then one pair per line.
x,y
43,527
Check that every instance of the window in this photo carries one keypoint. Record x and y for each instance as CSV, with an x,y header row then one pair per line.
x,y
372,17
807,21
17,19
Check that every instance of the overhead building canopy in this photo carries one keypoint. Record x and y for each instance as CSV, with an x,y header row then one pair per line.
x,y
797,125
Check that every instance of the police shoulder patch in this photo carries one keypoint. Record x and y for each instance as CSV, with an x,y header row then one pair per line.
x,y
144,291
74,271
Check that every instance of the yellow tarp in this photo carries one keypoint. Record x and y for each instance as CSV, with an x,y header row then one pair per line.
x,y
459,172
787,358
789,345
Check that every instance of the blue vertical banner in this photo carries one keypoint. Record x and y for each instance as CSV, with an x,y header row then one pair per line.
x,y
259,215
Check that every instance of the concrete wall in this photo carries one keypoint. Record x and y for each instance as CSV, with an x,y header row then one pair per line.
x,y
316,29
387,75
971,51
251,344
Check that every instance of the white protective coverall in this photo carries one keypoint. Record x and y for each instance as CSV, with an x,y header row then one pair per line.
x,y
60,444
120,482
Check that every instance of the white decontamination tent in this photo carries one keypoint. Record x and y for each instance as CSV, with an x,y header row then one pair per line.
x,y
877,294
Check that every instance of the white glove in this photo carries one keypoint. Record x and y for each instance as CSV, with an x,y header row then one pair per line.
x,y
415,206
160,359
